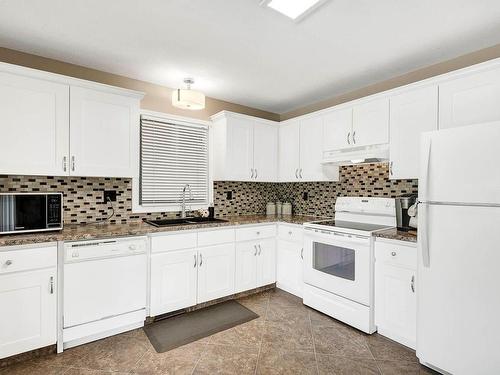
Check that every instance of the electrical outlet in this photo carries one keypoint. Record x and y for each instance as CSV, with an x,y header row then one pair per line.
x,y
111,194
305,195
229,195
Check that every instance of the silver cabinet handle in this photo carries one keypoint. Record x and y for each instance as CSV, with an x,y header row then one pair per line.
x,y
65,163
201,260
8,262
251,169
260,249
302,253
412,284
290,232
390,168
51,285
300,172
256,173
349,138
393,253
296,171
194,266
255,247
354,137
73,163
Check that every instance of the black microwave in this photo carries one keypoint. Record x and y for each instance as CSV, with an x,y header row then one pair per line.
x,y
30,212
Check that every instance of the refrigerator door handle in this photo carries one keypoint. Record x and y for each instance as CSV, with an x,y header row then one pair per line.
x,y
424,167
424,233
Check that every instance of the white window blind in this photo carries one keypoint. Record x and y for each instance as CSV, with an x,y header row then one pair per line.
x,y
173,154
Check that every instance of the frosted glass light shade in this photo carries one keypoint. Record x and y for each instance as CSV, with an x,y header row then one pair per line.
x,y
188,99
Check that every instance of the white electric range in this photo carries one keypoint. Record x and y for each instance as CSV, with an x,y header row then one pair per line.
x,y
339,259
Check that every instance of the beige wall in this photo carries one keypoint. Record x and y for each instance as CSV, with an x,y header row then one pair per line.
x,y
158,98
417,75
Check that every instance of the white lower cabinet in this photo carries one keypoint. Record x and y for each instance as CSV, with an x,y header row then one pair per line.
x,y
395,294
27,299
266,262
174,280
215,272
289,261
255,264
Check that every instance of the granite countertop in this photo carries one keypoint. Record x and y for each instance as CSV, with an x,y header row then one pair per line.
x,y
395,234
97,231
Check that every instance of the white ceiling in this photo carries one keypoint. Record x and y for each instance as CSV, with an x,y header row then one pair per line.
x,y
244,53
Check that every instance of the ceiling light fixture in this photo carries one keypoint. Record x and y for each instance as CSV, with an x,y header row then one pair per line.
x,y
294,9
187,98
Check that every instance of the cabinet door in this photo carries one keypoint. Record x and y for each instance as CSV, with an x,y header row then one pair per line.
x,y
265,152
173,281
470,100
370,123
104,133
311,150
246,266
239,162
215,272
35,126
289,267
28,311
337,127
266,262
411,114
289,151
395,303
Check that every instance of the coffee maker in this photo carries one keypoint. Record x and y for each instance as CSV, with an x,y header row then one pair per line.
x,y
403,203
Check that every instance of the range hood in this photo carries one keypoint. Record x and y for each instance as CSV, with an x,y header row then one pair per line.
x,y
362,155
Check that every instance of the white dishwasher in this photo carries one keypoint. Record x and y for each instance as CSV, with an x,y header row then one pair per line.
x,y
104,288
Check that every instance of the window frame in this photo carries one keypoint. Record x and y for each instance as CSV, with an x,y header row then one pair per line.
x,y
137,207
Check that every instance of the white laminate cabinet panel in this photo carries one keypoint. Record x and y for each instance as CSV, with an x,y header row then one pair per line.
x,y
27,259
292,233
337,126
28,311
177,241
265,155
255,232
289,267
216,266
266,262
289,151
370,123
396,253
246,266
217,236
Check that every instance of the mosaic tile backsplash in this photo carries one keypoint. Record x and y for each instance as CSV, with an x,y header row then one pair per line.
x,y
84,203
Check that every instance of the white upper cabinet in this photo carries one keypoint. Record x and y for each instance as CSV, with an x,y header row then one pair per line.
x,y
337,127
60,126
301,152
370,123
411,114
244,148
469,100
289,151
265,152
34,137
104,133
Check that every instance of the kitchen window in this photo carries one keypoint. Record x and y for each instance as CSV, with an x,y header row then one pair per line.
x,y
173,153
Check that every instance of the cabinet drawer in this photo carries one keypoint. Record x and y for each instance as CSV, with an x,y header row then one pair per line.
x,y
255,233
170,242
214,237
396,254
290,232
27,258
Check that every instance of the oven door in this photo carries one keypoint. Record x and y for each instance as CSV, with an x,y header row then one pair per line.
x,y
338,263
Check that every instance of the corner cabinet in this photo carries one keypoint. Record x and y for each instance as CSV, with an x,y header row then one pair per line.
x,y
60,126
245,148
412,113
395,290
28,287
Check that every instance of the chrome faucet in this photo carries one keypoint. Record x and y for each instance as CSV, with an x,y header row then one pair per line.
x,y
183,204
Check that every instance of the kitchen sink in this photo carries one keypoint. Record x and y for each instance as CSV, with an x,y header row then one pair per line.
x,y
184,221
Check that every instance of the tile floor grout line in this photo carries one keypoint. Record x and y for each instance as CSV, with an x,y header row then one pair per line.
x,y
262,335
201,355
313,342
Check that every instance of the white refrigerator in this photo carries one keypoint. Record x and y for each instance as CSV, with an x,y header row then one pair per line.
x,y
458,296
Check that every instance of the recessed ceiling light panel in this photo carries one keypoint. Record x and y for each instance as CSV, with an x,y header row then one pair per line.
x,y
294,9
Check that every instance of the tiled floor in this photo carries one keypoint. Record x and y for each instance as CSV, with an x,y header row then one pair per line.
x,y
288,338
